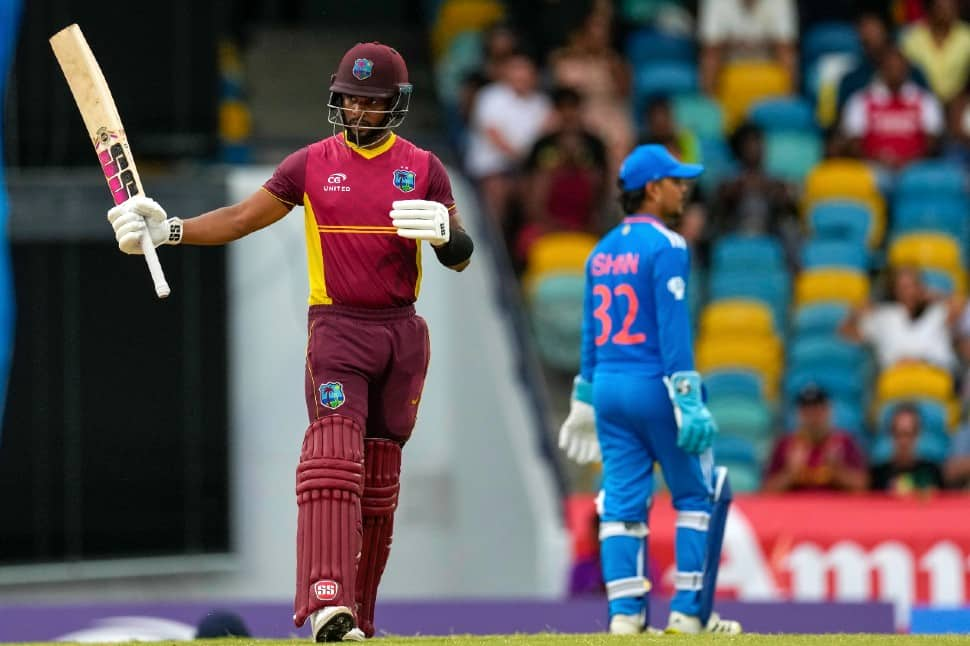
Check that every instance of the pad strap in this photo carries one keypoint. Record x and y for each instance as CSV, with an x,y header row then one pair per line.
x,y
382,483
634,586
329,483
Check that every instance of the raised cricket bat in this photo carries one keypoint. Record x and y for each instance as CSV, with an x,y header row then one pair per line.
x,y
101,118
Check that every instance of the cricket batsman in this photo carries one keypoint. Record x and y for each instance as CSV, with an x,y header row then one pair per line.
x,y
638,400
370,198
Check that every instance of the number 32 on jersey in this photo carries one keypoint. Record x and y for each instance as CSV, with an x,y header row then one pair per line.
x,y
621,292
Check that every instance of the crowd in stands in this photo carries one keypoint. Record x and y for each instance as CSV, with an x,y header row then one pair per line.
x,y
830,233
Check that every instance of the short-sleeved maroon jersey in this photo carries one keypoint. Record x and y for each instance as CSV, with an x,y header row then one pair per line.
x,y
354,254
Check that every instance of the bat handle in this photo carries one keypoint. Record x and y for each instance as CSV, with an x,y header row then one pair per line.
x,y
154,266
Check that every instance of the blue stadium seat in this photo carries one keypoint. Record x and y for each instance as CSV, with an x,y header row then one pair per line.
x,y
731,448
929,447
931,178
719,163
663,78
742,418
829,38
700,115
556,312
840,220
938,281
790,155
818,319
739,252
947,213
840,385
825,352
772,288
783,114
826,252
733,383
645,46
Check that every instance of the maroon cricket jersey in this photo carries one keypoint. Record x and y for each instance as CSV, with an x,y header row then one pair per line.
x,y
354,255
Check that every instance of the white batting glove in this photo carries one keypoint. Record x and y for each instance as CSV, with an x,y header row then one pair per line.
x,y
134,216
422,220
577,437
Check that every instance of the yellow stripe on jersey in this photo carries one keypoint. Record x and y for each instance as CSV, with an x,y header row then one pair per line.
x,y
348,228
314,257
417,282
371,153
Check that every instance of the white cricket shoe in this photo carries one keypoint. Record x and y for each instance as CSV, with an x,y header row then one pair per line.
x,y
331,624
355,635
681,624
631,625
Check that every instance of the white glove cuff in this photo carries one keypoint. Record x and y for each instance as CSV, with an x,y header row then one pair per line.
x,y
174,231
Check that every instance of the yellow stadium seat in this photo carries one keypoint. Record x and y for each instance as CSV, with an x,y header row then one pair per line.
x,y
840,285
913,379
737,316
456,16
743,83
927,249
762,355
564,252
846,179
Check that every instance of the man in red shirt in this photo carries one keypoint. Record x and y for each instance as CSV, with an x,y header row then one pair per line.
x,y
893,121
369,198
816,456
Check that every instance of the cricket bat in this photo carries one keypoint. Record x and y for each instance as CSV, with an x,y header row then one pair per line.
x,y
101,118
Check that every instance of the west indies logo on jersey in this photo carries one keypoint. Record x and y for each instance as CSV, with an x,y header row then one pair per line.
x,y
332,394
404,179
363,68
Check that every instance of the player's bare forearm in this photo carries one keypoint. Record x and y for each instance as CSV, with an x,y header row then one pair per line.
x,y
233,222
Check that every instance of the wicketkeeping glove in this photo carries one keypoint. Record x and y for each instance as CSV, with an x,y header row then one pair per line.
x,y
422,220
696,425
577,437
133,216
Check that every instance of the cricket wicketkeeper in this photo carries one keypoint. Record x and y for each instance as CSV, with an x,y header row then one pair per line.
x,y
369,198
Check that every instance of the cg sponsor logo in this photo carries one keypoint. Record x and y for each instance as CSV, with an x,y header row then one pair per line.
x,y
335,182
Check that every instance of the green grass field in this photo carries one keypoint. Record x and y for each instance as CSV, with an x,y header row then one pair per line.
x,y
608,640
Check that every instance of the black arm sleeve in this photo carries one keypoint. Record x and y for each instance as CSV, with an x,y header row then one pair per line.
x,y
458,250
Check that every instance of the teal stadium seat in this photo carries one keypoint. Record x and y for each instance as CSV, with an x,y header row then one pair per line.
x,y
836,254
783,114
556,312
829,38
791,155
719,163
742,384
745,418
931,177
663,78
772,288
817,353
819,319
741,460
645,46
846,386
700,115
945,213
749,253
844,220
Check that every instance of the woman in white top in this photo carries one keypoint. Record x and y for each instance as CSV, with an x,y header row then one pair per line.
x,y
914,326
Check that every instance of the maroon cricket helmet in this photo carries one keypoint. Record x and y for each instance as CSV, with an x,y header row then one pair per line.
x,y
370,69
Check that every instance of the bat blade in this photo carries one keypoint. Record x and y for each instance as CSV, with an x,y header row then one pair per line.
x,y
105,130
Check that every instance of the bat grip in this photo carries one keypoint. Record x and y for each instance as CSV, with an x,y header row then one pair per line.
x,y
154,266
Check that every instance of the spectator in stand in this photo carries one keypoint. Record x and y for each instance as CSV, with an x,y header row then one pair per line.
x,y
507,118
914,326
940,45
660,127
498,43
875,36
893,121
906,472
956,146
752,201
746,29
566,176
589,64
816,456
956,469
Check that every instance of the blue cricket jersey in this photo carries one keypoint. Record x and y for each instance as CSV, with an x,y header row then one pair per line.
x,y
635,317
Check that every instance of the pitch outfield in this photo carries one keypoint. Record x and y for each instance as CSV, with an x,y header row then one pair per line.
x,y
607,640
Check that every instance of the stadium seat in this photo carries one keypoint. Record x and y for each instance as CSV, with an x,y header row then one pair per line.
x,y
783,114
700,115
829,38
663,78
814,285
945,214
821,83
846,416
931,177
769,287
819,319
939,281
564,252
821,353
464,55
646,46
926,249
847,179
737,316
719,163
739,252
842,385
556,311
734,383
843,220
834,254
743,83
457,16
928,447
741,460
790,155
744,418
764,357
641,12
914,381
